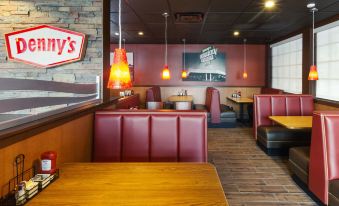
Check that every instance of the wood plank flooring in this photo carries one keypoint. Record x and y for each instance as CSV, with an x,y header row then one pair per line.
x,y
250,177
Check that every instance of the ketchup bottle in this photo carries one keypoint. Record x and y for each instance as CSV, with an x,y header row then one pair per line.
x,y
48,162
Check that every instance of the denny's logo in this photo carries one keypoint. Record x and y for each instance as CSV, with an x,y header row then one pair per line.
x,y
45,46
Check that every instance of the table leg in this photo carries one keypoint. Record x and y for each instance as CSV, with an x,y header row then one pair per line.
x,y
241,113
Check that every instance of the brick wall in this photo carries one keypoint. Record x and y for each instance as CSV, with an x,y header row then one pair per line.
x,y
78,15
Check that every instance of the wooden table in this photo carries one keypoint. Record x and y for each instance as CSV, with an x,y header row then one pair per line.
x,y
134,184
241,101
293,122
177,98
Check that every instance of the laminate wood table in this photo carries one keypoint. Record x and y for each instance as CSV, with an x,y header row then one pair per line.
x,y
134,184
293,122
177,98
241,101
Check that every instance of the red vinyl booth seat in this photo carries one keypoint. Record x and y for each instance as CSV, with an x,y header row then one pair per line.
x,y
156,136
324,154
128,102
153,94
217,113
279,105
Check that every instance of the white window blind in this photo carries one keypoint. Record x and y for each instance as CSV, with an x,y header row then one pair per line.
x,y
327,49
287,65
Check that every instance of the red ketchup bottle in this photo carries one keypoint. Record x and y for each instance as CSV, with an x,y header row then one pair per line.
x,y
48,162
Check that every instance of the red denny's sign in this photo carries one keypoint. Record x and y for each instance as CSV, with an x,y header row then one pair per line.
x,y
45,46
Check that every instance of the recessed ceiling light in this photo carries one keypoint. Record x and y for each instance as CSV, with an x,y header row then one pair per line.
x,y
140,33
269,4
116,33
311,4
236,33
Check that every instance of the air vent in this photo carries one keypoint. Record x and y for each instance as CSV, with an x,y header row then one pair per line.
x,y
189,17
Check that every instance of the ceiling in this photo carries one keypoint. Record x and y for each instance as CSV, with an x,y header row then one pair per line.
x,y
221,18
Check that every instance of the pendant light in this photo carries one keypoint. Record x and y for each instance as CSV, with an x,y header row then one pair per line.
x,y
166,72
119,77
184,72
244,74
313,75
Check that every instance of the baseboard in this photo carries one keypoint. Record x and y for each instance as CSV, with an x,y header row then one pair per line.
x,y
304,187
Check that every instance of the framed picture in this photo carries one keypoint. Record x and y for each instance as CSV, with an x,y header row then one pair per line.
x,y
207,66
130,61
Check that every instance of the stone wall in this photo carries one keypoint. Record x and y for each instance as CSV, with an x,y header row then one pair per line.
x,y
83,16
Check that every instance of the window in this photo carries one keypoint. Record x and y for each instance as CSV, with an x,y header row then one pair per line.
x,y
287,65
327,58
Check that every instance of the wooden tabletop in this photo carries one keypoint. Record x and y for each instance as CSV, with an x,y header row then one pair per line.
x,y
134,184
293,122
176,98
241,100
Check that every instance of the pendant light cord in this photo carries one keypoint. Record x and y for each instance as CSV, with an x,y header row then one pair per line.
x,y
245,54
166,39
184,54
119,24
313,10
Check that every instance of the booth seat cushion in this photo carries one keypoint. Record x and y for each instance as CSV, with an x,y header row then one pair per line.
x,y
281,137
334,193
299,158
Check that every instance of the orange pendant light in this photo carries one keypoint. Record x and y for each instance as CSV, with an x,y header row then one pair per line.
x,y
313,75
183,72
244,74
166,75
119,77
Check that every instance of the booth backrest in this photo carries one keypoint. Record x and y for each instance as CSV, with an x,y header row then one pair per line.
x,y
324,153
266,90
150,136
153,94
279,105
212,103
128,102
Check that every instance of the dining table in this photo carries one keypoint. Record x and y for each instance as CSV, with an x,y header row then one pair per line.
x,y
241,101
293,122
132,184
178,98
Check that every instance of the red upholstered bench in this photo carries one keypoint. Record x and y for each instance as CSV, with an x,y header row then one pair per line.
x,y
318,166
150,136
275,139
217,113
324,157
153,99
129,102
153,94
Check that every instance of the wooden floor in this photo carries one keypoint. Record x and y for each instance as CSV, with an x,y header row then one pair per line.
x,y
248,175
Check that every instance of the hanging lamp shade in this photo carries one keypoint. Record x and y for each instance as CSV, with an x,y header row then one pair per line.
x,y
166,73
244,75
313,75
119,77
184,74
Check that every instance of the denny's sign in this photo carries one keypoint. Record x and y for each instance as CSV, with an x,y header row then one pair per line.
x,y
45,46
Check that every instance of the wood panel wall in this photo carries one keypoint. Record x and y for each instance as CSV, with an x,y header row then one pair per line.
x,y
322,107
72,141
